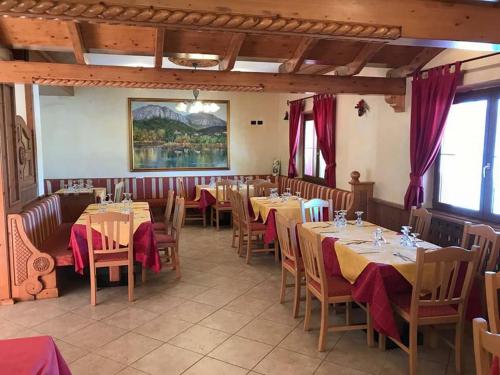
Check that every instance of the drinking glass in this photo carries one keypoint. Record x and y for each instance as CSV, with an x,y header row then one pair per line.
x,y
359,218
405,238
298,194
414,239
288,191
109,198
378,238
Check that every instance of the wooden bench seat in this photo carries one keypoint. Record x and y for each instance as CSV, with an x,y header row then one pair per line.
x,y
38,242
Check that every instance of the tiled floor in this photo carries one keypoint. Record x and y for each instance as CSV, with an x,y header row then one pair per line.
x,y
223,317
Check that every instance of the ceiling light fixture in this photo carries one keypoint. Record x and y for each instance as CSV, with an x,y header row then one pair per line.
x,y
196,106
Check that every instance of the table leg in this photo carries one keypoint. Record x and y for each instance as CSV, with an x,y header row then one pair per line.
x,y
114,274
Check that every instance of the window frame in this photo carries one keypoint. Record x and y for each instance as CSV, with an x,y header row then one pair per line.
x,y
308,116
492,95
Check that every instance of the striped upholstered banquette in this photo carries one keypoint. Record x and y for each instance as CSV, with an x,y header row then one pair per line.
x,y
342,199
38,242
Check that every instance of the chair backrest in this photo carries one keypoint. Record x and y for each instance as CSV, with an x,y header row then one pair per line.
x,y
420,221
221,191
251,191
488,241
234,204
117,198
313,210
485,343
181,189
178,218
263,189
448,289
492,281
167,215
310,249
242,206
112,226
287,236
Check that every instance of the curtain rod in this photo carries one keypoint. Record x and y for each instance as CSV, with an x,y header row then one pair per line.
x,y
463,61
298,100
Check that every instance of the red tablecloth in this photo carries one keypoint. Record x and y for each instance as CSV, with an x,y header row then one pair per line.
x,y
377,283
31,356
145,249
495,366
206,200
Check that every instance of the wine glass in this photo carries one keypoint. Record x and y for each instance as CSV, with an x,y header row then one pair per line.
x,y
414,239
288,191
378,238
298,194
359,218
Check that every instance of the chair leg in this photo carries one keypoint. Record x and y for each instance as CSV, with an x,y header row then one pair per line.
x,y
131,281
348,313
143,275
204,216
284,274
249,248
93,289
381,341
369,329
233,243
217,219
296,295
323,330
176,262
211,216
276,249
459,344
307,317
413,349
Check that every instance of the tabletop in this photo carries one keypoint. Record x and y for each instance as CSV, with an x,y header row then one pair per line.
x,y
290,208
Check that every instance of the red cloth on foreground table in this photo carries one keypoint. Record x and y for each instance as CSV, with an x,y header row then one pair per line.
x,y
145,249
495,366
206,200
377,283
31,356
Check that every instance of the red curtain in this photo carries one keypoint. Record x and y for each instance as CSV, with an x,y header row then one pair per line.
x,y
324,112
431,100
296,119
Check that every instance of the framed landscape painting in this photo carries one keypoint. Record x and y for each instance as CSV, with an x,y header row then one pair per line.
x,y
175,134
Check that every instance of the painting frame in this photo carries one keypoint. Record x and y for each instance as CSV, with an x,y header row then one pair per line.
x,y
131,148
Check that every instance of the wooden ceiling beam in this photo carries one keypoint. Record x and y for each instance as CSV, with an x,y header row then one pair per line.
x,y
75,36
46,56
233,49
377,19
106,76
362,58
159,45
295,62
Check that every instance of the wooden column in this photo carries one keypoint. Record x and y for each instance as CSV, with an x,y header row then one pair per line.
x,y
362,191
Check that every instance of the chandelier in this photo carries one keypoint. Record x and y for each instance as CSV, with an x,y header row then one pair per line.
x,y
196,106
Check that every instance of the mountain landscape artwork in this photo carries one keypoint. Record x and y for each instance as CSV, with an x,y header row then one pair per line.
x,y
170,134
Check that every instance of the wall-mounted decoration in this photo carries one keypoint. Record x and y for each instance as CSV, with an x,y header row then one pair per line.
x,y
276,167
174,134
362,107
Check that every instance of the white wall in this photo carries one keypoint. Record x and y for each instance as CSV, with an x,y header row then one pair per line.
x,y
86,135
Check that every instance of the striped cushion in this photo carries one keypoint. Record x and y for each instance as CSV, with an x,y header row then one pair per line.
x,y
42,218
342,199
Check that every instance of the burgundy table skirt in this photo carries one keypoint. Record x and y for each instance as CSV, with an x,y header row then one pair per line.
x,y
145,248
31,356
376,284
495,366
206,200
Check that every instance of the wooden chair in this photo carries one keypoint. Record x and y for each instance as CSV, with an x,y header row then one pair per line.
x,y
263,189
291,261
251,190
190,204
250,230
492,281
222,203
111,253
117,198
327,289
313,210
235,219
167,215
486,344
420,221
441,305
169,239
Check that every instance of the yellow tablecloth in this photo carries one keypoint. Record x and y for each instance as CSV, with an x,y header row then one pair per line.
x,y
262,206
140,210
211,190
354,257
98,191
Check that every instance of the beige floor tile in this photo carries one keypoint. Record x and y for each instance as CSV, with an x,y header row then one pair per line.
x,y
285,362
94,335
210,366
306,343
63,325
226,321
30,314
101,310
191,311
9,330
130,371
128,348
265,290
241,352
281,313
95,365
167,359
265,331
328,368
130,318
216,297
199,339
70,352
185,289
396,362
159,303
248,305
163,328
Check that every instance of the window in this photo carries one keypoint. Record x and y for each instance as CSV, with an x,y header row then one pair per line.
x,y
467,171
313,162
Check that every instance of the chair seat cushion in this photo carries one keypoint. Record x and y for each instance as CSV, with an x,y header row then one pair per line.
x,y
190,204
164,238
291,263
337,286
159,226
257,226
57,245
403,301
110,257
223,205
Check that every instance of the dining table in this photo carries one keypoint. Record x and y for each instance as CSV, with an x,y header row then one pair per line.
x,y
98,192
377,271
32,355
205,195
265,208
145,248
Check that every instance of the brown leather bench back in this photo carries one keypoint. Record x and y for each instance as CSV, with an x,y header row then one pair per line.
x,y
41,219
